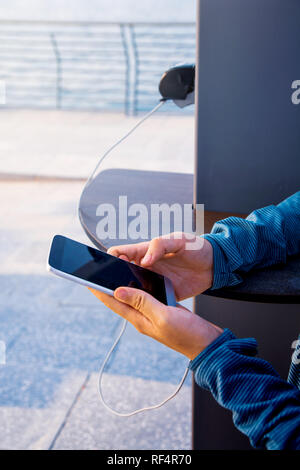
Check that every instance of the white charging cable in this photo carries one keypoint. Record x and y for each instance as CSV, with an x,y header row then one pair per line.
x,y
140,410
124,322
144,118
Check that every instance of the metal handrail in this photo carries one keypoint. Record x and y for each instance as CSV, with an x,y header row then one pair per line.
x,y
62,64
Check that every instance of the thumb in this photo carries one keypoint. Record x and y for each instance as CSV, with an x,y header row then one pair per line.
x,y
140,301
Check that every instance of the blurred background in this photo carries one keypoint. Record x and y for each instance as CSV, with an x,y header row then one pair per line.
x,y
76,76
91,55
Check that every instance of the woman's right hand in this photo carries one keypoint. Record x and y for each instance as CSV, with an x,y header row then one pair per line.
x,y
187,261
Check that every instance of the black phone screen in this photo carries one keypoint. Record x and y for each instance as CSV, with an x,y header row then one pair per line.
x,y
102,269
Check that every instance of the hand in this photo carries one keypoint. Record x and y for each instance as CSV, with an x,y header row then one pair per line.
x,y
190,270
176,327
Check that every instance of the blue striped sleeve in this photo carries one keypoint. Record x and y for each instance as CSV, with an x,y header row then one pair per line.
x,y
290,212
264,407
267,236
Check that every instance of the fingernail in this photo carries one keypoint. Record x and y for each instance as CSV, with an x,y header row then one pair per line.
x,y
147,259
121,294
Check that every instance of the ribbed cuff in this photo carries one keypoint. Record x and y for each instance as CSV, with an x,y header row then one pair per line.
x,y
227,335
215,364
222,275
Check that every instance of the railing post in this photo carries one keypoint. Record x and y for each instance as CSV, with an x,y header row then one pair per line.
x,y
136,69
58,70
127,73
131,58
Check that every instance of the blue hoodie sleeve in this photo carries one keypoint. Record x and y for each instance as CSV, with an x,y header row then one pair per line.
x,y
267,236
264,407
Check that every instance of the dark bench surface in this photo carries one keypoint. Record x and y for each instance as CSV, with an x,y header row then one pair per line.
x,y
277,284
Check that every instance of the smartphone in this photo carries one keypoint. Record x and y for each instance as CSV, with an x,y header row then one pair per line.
x,y
94,268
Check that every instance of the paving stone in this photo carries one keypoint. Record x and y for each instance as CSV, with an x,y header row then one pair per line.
x,y
92,426
34,403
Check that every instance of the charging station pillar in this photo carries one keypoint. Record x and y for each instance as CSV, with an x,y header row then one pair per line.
x,y
246,156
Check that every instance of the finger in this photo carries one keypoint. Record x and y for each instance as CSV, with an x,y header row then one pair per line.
x,y
133,252
160,247
141,301
138,320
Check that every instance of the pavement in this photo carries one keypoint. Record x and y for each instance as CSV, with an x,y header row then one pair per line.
x,y
69,143
56,333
